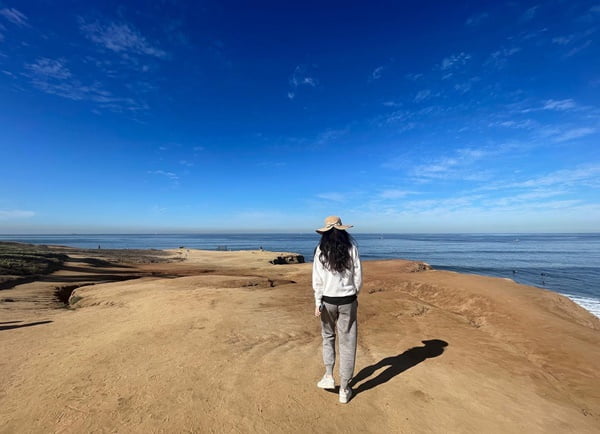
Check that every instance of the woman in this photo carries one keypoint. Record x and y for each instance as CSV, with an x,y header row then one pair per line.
x,y
337,279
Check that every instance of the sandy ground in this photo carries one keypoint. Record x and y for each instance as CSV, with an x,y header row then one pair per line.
x,y
232,346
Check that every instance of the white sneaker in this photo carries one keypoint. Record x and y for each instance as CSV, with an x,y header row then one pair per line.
x,y
345,395
326,382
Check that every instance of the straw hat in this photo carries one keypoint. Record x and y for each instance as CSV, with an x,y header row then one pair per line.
x,y
333,222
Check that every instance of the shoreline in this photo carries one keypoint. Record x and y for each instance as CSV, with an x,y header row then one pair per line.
x,y
151,255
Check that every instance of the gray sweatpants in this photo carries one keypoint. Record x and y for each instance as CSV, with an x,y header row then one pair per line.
x,y
345,318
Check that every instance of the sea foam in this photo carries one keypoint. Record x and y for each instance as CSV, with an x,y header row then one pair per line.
x,y
590,304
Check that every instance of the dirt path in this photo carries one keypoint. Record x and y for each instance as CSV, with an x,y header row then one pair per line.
x,y
222,351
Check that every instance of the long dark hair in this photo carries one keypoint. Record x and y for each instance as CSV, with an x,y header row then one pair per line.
x,y
335,248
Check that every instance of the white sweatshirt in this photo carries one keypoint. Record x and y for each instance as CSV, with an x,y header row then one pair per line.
x,y
334,284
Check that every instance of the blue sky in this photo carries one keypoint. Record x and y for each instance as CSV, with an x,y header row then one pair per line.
x,y
266,116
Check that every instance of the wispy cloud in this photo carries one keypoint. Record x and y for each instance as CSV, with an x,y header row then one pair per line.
x,y
170,175
525,124
52,76
440,205
529,14
120,38
376,74
575,133
477,19
6,214
49,68
560,105
422,95
332,196
563,40
14,16
329,136
394,194
499,58
271,164
466,86
459,164
523,198
413,76
573,51
454,61
589,175
302,76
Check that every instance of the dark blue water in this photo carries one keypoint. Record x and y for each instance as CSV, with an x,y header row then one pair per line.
x,y
565,263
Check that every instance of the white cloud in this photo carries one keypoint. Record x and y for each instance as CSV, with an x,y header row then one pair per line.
x,y
466,86
394,194
589,175
414,77
458,165
422,95
120,38
475,20
330,135
560,105
529,13
172,176
441,205
14,16
52,76
310,81
301,77
579,48
332,196
50,68
376,74
520,124
395,116
574,133
518,198
500,57
563,40
15,214
454,61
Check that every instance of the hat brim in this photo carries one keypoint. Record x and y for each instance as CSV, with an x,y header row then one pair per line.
x,y
339,227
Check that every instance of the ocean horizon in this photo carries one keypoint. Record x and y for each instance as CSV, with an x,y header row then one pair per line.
x,y
567,263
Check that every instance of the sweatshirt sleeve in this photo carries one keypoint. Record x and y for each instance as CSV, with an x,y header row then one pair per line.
x,y
358,280
317,278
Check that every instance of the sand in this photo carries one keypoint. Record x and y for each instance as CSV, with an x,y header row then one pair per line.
x,y
227,342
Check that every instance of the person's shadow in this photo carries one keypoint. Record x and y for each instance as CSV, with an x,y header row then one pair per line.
x,y
396,365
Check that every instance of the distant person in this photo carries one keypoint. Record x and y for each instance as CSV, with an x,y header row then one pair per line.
x,y
336,280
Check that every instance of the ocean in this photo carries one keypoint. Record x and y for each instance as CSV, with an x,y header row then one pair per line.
x,y
565,263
